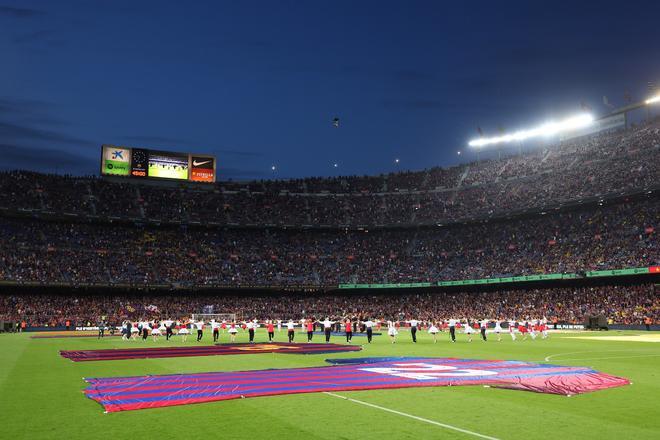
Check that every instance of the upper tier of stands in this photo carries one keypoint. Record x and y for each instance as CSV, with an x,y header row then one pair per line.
x,y
596,166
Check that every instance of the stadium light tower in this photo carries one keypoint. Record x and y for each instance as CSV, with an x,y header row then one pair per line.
x,y
549,129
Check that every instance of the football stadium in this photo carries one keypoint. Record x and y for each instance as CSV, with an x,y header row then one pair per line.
x,y
504,285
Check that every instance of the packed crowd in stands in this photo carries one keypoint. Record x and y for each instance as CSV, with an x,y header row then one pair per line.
x,y
619,304
595,166
610,237
615,236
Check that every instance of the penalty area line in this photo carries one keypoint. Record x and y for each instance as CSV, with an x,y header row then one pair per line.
x,y
410,416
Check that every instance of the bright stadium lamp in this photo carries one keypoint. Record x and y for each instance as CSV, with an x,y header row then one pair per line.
x,y
653,100
549,129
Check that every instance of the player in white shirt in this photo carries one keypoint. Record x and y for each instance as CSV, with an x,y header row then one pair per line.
x,y
452,329
413,329
498,330
279,325
483,326
327,328
433,331
200,329
544,328
251,326
290,330
369,327
468,330
531,328
392,331
512,329
215,326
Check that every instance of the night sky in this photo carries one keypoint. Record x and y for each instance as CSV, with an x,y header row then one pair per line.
x,y
258,83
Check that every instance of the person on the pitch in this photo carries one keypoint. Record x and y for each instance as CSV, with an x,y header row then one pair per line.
x,y
232,332
512,329
271,330
498,330
327,328
183,330
413,329
452,329
101,329
215,325
433,331
250,328
145,330
349,330
168,329
483,326
392,331
468,330
290,330
200,330
155,331
369,327
310,330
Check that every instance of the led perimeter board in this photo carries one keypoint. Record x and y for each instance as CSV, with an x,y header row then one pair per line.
x,y
142,163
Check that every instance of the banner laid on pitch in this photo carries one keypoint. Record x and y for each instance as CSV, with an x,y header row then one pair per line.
x,y
140,392
204,350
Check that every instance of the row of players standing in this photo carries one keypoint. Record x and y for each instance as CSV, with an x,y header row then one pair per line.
x,y
156,328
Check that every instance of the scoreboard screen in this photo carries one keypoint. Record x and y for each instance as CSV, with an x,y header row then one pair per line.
x,y
168,165
144,163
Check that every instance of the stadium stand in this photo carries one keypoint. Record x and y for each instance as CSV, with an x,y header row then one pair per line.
x,y
584,205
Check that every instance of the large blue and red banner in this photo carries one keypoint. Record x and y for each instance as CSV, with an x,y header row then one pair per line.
x,y
140,392
204,350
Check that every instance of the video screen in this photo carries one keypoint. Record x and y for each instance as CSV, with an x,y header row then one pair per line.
x,y
168,165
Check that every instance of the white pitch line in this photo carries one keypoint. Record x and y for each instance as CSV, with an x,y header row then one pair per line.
x,y
421,419
547,358
611,357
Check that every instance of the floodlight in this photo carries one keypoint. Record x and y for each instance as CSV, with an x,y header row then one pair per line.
x,y
549,129
653,100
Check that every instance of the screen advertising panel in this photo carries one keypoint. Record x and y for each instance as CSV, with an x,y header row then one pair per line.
x,y
167,165
139,162
115,160
202,168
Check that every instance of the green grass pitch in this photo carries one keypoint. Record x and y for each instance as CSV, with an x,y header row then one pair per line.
x,y
41,394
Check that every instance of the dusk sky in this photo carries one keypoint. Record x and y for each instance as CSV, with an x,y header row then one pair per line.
x,y
258,83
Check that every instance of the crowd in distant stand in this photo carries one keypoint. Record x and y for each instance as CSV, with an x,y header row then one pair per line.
x,y
607,237
573,170
619,304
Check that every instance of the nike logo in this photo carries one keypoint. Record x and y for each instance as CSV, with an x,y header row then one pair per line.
x,y
196,164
